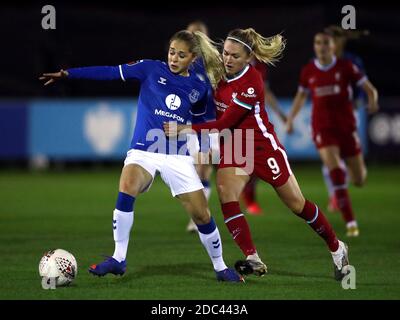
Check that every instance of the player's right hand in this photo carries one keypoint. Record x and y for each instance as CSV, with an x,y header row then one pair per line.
x,y
52,77
172,129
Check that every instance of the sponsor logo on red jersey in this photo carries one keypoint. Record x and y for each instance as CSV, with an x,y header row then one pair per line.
x,y
250,93
327,90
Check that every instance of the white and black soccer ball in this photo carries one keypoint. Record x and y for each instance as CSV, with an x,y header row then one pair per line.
x,y
59,264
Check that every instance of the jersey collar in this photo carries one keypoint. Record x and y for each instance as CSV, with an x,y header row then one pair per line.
x,y
327,67
241,74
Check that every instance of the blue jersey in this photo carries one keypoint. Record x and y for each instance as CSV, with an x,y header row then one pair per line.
x,y
164,96
198,68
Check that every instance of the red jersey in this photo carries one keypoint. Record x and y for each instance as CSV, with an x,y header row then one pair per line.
x,y
239,104
331,93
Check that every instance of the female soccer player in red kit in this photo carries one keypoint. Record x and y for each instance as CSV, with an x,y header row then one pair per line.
x,y
239,101
249,191
329,80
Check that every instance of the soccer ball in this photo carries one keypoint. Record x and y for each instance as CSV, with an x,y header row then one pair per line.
x,y
59,264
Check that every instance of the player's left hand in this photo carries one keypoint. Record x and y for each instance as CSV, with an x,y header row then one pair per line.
x,y
172,129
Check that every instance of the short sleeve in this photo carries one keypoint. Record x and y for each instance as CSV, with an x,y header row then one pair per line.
x,y
303,81
248,96
137,70
355,74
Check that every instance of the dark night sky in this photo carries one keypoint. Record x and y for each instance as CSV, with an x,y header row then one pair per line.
x,y
108,34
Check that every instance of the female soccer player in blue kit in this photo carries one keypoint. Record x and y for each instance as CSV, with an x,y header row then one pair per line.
x,y
169,91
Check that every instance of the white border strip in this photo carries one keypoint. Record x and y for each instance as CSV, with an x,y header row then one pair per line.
x,y
240,75
120,73
242,104
315,217
286,160
234,217
263,128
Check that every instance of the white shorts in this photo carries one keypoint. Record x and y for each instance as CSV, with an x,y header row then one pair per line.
x,y
177,171
193,146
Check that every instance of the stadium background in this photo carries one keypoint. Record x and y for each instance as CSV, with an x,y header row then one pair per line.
x,y
61,147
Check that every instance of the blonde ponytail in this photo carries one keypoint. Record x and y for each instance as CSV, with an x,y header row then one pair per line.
x,y
267,50
211,57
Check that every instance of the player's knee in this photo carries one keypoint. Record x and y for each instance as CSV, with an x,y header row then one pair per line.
x,y
201,216
224,193
198,211
129,186
201,220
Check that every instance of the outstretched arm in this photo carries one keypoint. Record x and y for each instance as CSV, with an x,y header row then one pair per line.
x,y
298,102
230,118
92,73
372,94
272,101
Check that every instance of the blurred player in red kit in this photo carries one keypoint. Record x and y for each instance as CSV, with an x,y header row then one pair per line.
x,y
328,79
340,39
239,101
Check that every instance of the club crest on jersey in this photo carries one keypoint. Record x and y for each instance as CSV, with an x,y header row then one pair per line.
x,y
194,96
173,101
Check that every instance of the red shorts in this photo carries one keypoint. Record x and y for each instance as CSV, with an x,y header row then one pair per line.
x,y
348,142
270,165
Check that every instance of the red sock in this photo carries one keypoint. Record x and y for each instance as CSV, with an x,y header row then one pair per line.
x,y
238,227
316,219
249,191
338,178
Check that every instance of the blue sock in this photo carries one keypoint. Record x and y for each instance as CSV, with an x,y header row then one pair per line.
x,y
208,227
122,224
211,240
125,202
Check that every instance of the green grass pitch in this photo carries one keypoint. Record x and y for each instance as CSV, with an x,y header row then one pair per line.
x,y
73,210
